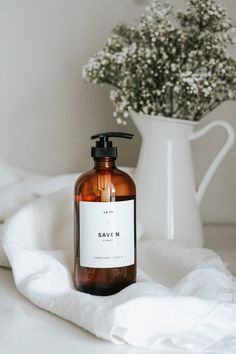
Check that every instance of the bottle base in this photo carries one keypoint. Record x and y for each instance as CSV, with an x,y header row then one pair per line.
x,y
100,290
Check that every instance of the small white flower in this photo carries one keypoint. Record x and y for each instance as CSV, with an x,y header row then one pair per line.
x,y
113,95
120,59
119,120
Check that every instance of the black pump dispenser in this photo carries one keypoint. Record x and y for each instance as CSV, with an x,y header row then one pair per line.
x,y
104,147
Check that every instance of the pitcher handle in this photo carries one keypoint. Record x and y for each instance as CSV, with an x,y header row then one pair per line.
x,y
219,157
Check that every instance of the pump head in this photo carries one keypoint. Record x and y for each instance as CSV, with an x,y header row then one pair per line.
x,y
104,147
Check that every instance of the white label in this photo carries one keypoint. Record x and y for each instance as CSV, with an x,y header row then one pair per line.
x,y
106,234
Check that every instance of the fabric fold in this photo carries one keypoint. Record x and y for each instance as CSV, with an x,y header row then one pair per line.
x,y
184,298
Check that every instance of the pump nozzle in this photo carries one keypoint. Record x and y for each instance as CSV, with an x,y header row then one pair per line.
x,y
104,147
113,135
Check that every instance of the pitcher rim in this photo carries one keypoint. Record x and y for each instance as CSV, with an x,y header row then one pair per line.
x,y
134,114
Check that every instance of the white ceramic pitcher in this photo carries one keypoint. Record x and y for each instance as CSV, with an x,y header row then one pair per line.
x,y
167,199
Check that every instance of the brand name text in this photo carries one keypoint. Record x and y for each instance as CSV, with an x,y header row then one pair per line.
x,y
109,234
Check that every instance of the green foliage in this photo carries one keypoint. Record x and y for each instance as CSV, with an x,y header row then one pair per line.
x,y
169,64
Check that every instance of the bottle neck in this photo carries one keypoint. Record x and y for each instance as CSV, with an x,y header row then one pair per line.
x,y
104,163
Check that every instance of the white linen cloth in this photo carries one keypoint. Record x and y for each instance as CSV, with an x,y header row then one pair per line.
x,y
185,298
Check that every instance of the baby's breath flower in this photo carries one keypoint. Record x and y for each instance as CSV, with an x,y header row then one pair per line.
x,y
158,68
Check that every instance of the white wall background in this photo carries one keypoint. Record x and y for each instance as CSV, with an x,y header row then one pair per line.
x,y
47,113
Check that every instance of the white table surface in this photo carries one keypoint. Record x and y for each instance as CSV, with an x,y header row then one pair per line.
x,y
26,329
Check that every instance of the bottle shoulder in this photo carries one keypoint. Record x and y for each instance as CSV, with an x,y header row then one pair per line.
x,y
124,176
84,176
121,181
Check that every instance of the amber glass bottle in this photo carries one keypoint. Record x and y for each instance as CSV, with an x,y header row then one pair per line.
x,y
105,223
